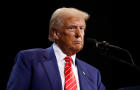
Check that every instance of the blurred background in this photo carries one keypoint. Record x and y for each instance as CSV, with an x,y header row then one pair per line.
x,y
25,26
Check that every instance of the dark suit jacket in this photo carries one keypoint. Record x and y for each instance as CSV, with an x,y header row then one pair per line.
x,y
37,69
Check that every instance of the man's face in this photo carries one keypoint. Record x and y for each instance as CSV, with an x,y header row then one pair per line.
x,y
71,35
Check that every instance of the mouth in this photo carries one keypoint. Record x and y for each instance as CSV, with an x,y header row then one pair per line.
x,y
77,42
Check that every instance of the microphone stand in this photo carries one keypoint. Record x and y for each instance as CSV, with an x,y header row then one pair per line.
x,y
123,61
104,48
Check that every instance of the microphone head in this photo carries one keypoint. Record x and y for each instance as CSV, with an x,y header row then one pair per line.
x,y
93,41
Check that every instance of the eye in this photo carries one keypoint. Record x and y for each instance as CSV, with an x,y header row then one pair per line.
x,y
82,28
71,28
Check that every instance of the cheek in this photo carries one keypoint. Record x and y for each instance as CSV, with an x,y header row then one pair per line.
x,y
67,39
83,34
69,36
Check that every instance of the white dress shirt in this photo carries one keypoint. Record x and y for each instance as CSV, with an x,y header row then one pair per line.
x,y
61,64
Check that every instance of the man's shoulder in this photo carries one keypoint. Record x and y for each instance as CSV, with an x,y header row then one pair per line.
x,y
33,50
87,65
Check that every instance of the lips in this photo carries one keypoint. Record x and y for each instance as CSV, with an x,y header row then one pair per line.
x,y
77,42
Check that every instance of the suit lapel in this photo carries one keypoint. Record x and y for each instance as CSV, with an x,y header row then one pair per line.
x,y
84,81
51,68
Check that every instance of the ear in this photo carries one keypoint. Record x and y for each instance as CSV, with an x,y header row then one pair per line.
x,y
55,34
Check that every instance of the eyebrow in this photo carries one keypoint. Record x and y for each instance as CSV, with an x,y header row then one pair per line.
x,y
76,25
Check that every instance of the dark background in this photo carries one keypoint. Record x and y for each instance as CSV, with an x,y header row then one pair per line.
x,y
25,26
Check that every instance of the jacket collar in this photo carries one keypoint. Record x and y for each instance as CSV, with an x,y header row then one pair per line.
x,y
52,71
51,68
84,78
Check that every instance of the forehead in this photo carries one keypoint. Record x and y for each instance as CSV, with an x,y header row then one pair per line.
x,y
74,21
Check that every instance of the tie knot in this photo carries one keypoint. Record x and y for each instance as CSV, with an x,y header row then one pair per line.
x,y
68,59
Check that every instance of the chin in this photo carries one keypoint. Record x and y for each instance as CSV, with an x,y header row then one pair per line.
x,y
78,48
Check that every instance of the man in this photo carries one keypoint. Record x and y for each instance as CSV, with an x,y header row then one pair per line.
x,y
57,68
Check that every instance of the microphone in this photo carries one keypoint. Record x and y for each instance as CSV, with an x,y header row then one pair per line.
x,y
105,46
101,44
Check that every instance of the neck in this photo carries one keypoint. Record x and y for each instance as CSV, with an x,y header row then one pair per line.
x,y
67,51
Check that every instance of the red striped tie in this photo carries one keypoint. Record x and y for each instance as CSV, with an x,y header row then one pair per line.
x,y
70,80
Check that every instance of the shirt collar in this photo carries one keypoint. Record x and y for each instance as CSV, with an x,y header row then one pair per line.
x,y
60,55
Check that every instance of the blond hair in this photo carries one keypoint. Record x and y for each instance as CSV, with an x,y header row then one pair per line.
x,y
57,19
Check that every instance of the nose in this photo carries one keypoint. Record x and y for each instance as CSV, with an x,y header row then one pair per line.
x,y
78,33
